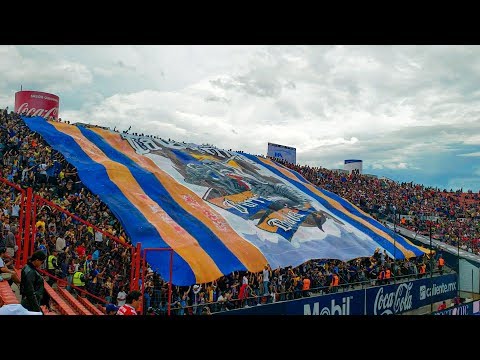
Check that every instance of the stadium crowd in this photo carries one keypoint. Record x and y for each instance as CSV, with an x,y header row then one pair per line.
x,y
453,215
86,258
28,161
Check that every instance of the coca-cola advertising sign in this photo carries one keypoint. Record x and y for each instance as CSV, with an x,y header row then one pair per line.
x,y
394,301
409,295
37,103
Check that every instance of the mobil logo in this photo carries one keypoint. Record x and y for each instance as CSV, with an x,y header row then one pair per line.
x,y
340,308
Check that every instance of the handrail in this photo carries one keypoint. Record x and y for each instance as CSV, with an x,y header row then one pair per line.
x,y
315,291
84,222
65,282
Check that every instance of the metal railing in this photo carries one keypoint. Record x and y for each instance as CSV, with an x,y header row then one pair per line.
x,y
259,299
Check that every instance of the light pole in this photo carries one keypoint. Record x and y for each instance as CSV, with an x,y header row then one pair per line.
x,y
431,262
394,232
458,263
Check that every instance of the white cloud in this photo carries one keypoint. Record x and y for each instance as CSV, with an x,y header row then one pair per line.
x,y
396,107
50,74
474,154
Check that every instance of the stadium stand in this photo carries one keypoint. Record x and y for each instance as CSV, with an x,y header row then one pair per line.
x,y
106,264
7,294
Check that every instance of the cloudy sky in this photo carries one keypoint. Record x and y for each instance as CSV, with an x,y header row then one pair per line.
x,y
411,113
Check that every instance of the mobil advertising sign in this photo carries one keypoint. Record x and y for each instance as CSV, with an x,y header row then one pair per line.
x,y
379,300
341,303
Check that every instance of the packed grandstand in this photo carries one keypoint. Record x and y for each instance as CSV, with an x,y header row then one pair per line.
x,y
211,272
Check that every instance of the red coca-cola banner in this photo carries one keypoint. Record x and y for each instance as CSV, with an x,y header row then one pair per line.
x,y
37,103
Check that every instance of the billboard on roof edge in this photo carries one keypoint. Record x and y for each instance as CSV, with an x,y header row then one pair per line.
x,y
37,103
282,152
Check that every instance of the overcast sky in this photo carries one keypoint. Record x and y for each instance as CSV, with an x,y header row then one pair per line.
x,y
411,113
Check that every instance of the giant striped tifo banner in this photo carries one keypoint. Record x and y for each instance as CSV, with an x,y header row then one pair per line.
x,y
219,211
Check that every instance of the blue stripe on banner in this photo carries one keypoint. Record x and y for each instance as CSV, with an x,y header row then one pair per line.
x,y
95,177
384,243
355,211
371,221
296,174
221,255
185,158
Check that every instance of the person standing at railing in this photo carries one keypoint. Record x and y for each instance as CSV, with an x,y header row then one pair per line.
x,y
31,285
196,289
265,279
10,241
422,269
388,275
79,281
381,276
243,292
71,268
442,306
52,266
441,264
121,297
335,283
229,305
306,286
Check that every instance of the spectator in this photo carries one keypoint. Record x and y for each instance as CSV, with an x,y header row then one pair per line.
x,y
10,241
52,266
5,272
243,293
265,278
60,244
108,289
79,281
121,297
111,309
441,264
31,286
206,310
133,302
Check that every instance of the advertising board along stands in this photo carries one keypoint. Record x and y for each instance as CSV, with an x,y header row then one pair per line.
x,y
378,300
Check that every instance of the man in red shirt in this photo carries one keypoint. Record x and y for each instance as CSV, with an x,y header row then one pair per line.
x,y
442,306
132,304
81,249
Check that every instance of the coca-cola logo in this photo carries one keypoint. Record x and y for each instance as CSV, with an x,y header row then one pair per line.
x,y
393,302
24,110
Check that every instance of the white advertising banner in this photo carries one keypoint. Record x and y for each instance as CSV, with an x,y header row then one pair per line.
x,y
282,152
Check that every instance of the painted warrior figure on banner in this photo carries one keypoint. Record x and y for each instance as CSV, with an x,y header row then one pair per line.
x,y
235,184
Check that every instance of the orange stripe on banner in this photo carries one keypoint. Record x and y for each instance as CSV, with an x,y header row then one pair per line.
x,y
175,236
339,206
246,252
421,248
284,171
